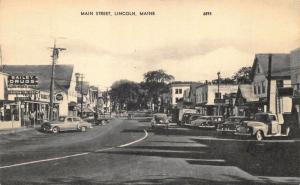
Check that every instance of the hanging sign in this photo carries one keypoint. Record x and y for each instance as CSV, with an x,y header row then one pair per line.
x,y
59,97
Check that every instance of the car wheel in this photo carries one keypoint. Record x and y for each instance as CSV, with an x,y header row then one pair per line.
x,y
82,129
55,130
259,135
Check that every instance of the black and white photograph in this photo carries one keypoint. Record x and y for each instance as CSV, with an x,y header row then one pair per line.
x,y
138,92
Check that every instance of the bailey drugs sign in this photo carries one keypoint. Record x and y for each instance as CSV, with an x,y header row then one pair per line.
x,y
22,80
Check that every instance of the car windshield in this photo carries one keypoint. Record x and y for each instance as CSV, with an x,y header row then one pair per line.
x,y
272,118
262,117
61,118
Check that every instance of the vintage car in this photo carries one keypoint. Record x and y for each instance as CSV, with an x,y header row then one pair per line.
x,y
208,122
230,125
188,117
263,125
160,120
65,123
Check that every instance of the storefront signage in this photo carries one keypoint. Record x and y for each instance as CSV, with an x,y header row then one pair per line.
x,y
23,92
59,97
22,98
22,80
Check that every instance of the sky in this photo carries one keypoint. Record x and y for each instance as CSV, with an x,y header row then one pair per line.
x,y
178,38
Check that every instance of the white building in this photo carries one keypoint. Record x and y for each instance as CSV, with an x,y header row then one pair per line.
x,y
207,97
280,83
176,90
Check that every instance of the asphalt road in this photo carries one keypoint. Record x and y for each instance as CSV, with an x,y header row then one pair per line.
x,y
128,152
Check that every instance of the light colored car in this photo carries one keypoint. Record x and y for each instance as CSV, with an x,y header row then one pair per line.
x,y
160,120
263,125
65,123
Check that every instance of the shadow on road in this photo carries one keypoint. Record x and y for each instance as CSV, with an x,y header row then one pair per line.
x,y
258,158
154,181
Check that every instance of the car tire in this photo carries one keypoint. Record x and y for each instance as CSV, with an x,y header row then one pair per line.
x,y
55,130
259,135
82,129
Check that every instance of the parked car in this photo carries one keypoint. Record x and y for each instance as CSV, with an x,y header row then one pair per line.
x,y
230,125
65,123
263,125
160,120
199,121
191,117
208,121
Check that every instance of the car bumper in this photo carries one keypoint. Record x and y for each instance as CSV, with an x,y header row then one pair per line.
x,y
207,126
222,130
242,134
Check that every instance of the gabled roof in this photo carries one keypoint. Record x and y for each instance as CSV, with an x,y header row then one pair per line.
x,y
63,75
280,64
247,93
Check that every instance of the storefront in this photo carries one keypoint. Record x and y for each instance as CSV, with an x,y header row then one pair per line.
x,y
9,114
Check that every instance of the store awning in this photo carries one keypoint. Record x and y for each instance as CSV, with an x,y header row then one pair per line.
x,y
72,104
285,91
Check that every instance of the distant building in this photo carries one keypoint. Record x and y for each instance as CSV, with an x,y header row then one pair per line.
x,y
176,90
246,103
209,101
189,95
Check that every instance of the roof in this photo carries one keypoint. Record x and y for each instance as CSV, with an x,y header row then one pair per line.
x,y
63,74
193,87
280,64
247,93
85,87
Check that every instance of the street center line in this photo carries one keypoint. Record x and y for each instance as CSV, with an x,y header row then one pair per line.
x,y
44,160
146,135
69,156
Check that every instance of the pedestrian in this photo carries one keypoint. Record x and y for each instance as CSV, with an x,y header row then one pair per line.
x,y
31,118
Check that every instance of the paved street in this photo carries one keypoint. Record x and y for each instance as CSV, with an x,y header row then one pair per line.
x,y
128,152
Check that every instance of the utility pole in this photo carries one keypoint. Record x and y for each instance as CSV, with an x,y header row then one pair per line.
x,y
218,93
54,56
1,62
269,82
81,92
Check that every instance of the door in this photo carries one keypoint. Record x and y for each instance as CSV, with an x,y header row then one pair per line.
x,y
69,124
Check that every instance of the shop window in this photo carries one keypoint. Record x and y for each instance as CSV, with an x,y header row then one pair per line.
x,y
180,91
263,87
176,91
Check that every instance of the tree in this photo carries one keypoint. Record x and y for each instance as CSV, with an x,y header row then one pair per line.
x,y
125,94
155,82
243,75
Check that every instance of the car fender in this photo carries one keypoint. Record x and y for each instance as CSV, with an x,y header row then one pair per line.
x,y
257,128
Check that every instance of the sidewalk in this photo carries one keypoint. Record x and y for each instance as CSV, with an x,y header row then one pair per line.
x,y
18,130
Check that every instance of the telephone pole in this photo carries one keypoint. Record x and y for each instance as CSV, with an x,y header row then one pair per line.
x,y
269,77
54,56
218,93
81,92
1,62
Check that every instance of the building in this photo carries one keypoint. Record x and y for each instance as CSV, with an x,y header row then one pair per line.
x,y
279,100
35,98
246,103
176,90
209,99
189,95
295,79
9,110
